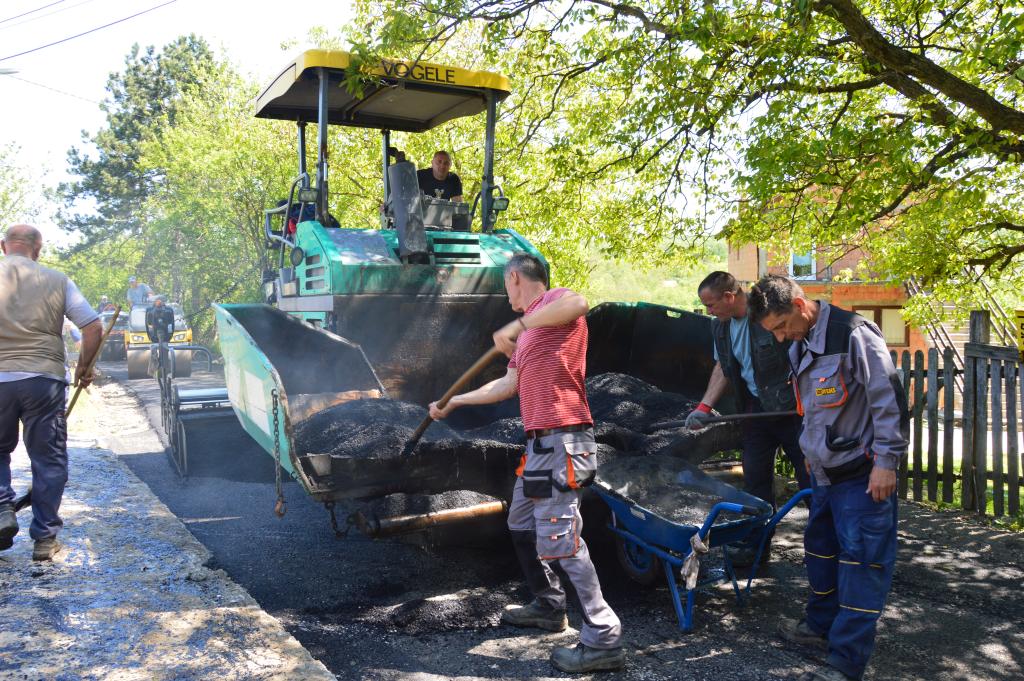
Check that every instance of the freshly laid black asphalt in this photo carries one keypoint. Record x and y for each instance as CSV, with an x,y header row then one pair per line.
x,y
385,609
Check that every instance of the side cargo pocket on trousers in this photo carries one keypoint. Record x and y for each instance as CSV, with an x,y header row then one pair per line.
x,y
557,536
580,464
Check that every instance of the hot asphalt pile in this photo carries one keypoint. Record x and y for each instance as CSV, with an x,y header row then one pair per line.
x,y
626,412
625,409
673,489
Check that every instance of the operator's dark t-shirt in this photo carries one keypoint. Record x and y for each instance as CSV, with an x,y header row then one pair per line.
x,y
440,189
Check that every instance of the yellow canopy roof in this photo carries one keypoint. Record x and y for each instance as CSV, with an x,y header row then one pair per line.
x,y
409,96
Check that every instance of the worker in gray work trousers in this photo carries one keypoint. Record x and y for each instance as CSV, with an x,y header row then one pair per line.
x,y
547,347
33,303
854,437
757,367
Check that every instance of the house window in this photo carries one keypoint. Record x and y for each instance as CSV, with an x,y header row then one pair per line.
x,y
801,265
889,320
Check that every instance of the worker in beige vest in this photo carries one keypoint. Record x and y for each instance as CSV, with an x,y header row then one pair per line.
x,y
33,303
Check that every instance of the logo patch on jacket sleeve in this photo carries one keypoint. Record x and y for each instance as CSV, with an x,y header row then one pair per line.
x,y
825,391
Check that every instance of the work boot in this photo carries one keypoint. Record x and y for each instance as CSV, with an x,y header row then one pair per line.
x,y
536,614
798,632
583,659
8,526
826,673
46,549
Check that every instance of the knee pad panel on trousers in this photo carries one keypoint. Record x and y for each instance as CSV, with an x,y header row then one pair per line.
x,y
868,536
821,573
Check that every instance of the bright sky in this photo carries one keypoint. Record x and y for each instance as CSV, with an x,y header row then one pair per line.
x,y
45,123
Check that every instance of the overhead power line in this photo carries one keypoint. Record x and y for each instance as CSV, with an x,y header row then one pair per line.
x,y
31,11
92,30
39,17
52,89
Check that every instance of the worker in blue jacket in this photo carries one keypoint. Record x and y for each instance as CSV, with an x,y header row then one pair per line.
x,y
854,436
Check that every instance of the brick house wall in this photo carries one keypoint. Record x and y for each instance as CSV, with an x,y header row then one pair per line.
x,y
879,302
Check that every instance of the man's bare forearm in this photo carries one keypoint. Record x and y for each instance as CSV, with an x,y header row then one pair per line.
x,y
91,335
717,386
496,391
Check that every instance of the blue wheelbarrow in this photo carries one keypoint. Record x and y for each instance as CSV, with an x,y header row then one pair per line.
x,y
650,544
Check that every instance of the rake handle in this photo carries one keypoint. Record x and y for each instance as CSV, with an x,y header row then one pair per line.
x,y
92,360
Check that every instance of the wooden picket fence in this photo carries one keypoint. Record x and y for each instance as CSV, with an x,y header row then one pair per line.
x,y
990,459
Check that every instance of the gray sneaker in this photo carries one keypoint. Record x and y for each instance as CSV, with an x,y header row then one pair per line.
x,y
8,526
798,632
46,549
583,659
536,614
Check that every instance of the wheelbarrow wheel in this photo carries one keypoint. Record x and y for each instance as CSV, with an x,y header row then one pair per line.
x,y
642,566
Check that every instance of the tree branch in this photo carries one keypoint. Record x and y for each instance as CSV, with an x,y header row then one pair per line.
x,y
875,46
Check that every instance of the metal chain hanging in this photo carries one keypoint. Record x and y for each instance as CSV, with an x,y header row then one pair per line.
x,y
279,507
339,534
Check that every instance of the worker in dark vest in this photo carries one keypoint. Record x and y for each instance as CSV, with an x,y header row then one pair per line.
x,y
855,434
160,321
33,303
750,360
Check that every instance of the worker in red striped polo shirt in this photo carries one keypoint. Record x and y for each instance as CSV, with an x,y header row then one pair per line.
x,y
547,348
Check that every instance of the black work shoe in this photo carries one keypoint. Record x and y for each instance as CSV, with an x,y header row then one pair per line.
x,y
583,659
46,549
8,526
826,673
798,632
536,614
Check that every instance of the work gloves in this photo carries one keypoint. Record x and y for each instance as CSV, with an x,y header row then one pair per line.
x,y
699,417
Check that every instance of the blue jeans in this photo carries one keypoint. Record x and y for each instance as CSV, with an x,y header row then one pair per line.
x,y
850,551
38,403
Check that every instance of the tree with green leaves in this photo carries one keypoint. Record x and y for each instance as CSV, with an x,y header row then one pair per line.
x,y
104,200
892,126
17,187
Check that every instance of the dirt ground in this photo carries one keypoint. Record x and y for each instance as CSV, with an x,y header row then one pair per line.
x,y
374,609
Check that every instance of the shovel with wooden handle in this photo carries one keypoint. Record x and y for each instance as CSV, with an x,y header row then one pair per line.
x,y
457,386
26,499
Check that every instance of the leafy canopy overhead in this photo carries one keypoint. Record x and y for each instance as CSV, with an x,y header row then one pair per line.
x,y
17,189
892,125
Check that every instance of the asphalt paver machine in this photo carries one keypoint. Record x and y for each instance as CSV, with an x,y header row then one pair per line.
x,y
401,310
414,301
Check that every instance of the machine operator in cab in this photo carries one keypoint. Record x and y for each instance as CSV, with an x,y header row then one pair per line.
x,y
757,367
547,348
438,180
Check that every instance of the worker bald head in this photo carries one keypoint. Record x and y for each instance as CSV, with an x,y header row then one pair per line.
x,y
24,240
